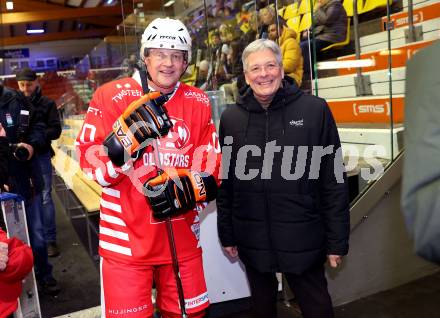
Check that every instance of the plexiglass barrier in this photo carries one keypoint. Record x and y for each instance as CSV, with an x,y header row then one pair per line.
x,y
362,81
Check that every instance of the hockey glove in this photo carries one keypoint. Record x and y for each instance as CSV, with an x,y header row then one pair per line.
x,y
176,191
143,119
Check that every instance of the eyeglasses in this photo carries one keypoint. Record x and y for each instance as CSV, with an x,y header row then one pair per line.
x,y
268,68
161,56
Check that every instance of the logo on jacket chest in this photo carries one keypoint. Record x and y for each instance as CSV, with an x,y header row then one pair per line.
x,y
297,123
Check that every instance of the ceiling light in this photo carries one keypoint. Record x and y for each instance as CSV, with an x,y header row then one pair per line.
x,y
34,31
9,5
169,3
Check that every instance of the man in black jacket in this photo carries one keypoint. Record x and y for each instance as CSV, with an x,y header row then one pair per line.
x,y
283,207
47,112
25,132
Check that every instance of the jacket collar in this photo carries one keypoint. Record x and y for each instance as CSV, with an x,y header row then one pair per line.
x,y
288,92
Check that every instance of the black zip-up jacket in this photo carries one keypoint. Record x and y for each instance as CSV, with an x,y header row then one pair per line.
x,y
11,104
46,111
289,216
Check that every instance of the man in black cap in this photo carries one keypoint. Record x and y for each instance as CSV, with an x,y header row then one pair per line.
x,y
47,112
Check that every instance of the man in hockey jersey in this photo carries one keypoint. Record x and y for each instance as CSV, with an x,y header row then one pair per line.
x,y
15,263
155,157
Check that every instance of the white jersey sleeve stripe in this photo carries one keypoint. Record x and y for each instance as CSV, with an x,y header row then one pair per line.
x,y
111,170
112,219
115,248
112,192
100,178
127,166
118,234
111,206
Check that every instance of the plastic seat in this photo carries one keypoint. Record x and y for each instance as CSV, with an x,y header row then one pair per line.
x,y
304,6
342,43
291,11
306,22
348,6
370,5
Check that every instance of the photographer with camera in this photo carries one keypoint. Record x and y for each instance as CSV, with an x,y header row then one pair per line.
x,y
47,112
25,132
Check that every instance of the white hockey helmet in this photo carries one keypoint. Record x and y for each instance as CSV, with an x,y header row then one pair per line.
x,y
168,34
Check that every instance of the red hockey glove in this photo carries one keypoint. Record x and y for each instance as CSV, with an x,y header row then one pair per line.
x,y
177,191
143,119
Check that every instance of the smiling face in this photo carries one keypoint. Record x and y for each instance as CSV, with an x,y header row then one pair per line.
x,y
165,66
264,74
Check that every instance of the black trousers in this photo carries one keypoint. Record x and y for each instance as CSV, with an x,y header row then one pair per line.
x,y
310,289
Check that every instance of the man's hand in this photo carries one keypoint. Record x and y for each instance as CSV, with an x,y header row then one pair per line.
x,y
334,260
2,131
231,251
3,256
144,119
177,191
28,147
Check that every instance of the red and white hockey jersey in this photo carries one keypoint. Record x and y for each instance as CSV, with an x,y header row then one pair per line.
x,y
128,232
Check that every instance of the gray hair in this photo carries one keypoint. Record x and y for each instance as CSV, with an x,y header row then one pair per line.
x,y
261,45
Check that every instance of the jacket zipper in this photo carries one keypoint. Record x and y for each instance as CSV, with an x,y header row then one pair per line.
x,y
266,194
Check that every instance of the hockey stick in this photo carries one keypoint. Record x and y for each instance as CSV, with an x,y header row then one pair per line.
x,y
173,251
170,233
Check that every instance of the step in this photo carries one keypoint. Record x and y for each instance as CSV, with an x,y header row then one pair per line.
x,y
425,12
400,55
344,86
378,41
417,3
367,110
371,142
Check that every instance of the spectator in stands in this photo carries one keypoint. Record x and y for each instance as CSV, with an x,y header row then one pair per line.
x,y
133,241
128,66
421,171
46,110
252,34
25,132
262,4
290,50
15,263
216,56
202,76
233,70
330,27
276,221
267,17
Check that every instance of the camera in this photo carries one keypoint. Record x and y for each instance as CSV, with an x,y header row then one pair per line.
x,y
20,152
